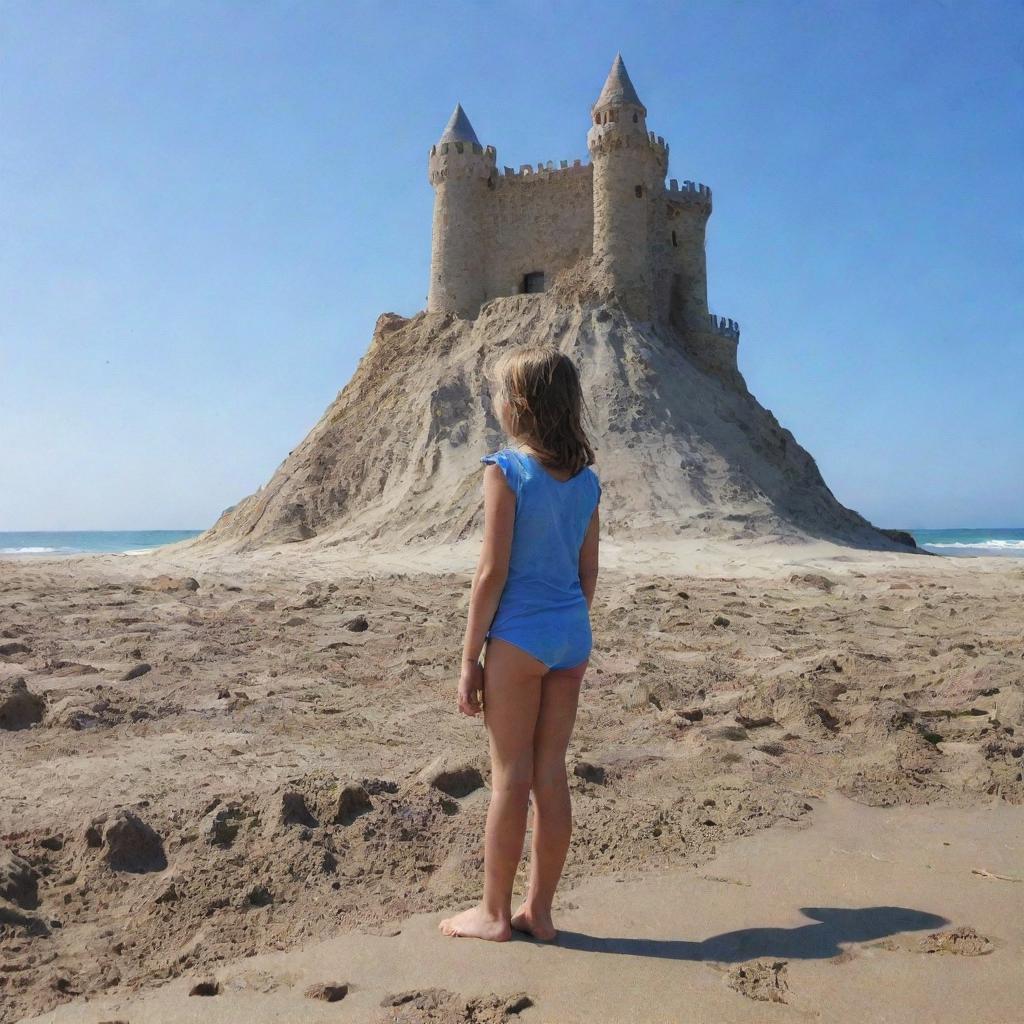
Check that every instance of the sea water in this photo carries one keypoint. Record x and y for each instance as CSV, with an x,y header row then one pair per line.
x,y
88,542
1007,542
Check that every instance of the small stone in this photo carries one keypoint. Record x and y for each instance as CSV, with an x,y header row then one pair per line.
x,y
13,648
19,881
221,826
589,772
357,624
20,708
260,896
329,992
353,801
137,670
132,845
454,778
720,620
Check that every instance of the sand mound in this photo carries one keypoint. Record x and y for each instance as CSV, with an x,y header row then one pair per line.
x,y
683,448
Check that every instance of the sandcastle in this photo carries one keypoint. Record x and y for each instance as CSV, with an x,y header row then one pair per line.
x,y
605,261
506,232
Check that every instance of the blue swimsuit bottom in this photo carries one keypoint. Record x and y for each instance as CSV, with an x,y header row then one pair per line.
x,y
542,609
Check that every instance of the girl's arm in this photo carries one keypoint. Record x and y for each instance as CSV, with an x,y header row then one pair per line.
x,y
492,568
588,558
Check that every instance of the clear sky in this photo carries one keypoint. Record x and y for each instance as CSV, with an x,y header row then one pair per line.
x,y
205,205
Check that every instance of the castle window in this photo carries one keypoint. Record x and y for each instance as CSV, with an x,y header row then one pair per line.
x,y
636,117
639,191
533,282
675,243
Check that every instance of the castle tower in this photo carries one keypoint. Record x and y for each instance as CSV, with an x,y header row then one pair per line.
x,y
462,173
629,173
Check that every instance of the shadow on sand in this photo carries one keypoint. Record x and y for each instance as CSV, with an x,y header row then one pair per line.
x,y
818,941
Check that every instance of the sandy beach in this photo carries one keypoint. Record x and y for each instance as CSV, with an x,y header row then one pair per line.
x,y
796,778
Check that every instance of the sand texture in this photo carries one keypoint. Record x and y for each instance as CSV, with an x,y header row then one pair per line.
x,y
219,762
683,449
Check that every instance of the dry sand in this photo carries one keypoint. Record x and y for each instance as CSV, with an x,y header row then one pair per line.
x,y
762,729
684,450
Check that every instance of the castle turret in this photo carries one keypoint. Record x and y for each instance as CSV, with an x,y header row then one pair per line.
x,y
629,171
462,173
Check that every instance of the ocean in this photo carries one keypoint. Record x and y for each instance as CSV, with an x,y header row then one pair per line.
x,y
1005,542
88,542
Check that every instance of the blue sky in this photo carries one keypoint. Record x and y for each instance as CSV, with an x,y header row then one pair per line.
x,y
204,206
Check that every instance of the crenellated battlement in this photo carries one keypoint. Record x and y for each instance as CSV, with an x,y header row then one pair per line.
x,y
460,161
723,325
691,193
546,171
468,148
607,138
658,142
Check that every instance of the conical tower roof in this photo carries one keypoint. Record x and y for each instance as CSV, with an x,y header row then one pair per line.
x,y
618,89
458,128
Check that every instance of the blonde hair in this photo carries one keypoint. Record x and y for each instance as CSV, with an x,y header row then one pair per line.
x,y
546,404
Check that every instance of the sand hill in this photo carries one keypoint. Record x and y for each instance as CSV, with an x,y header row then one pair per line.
x,y
683,447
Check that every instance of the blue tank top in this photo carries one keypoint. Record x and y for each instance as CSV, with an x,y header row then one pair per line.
x,y
551,521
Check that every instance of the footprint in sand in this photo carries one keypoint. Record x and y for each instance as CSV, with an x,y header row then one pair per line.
x,y
764,980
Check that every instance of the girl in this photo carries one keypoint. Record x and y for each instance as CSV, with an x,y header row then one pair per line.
x,y
530,602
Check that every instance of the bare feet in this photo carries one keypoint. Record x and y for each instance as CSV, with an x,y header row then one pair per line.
x,y
476,922
539,925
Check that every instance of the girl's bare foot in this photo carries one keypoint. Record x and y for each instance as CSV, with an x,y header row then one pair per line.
x,y
476,922
539,925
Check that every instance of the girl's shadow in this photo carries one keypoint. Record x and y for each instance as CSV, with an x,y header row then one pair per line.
x,y
819,941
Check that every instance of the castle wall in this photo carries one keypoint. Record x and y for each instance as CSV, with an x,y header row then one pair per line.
x,y
543,220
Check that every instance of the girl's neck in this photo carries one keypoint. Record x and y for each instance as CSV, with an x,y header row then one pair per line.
x,y
524,446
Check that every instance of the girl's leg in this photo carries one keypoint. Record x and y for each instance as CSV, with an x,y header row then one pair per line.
x,y
552,808
512,689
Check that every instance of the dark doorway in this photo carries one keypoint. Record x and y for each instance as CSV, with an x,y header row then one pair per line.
x,y
533,282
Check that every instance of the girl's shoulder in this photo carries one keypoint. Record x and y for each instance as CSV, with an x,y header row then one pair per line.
x,y
595,480
505,459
